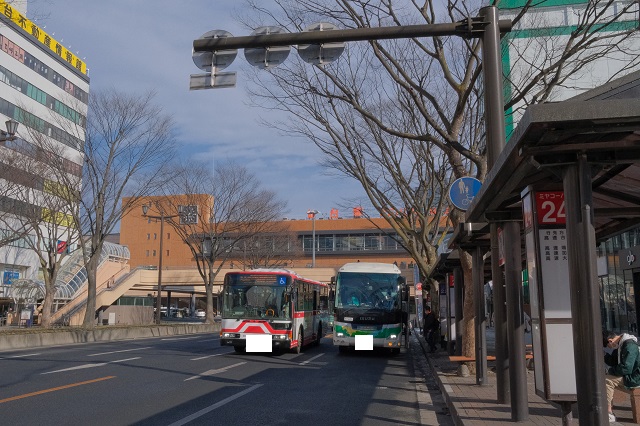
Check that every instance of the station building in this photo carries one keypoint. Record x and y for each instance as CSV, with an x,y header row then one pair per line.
x,y
338,240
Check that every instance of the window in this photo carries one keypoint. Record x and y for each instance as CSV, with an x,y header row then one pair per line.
x,y
155,236
147,253
148,236
154,253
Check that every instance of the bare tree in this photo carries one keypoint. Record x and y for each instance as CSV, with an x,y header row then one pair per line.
x,y
43,177
231,208
129,141
405,117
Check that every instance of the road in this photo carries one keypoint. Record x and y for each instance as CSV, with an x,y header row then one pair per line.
x,y
193,380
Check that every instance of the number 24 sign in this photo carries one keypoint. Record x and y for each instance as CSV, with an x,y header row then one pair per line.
x,y
550,208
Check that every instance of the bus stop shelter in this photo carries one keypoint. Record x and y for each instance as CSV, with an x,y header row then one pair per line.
x,y
588,148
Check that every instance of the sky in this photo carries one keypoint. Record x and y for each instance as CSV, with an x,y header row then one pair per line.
x,y
142,45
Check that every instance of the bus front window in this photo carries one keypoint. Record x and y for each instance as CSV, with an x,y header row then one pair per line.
x,y
257,301
367,290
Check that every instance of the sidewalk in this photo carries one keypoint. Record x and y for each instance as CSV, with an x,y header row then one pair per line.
x,y
471,404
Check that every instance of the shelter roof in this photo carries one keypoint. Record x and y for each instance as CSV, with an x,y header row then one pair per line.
x,y
604,125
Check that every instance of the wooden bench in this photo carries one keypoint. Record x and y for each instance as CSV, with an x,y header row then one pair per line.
x,y
634,394
462,358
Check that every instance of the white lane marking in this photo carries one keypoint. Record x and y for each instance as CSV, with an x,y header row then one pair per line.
x,y
214,406
209,340
210,356
18,356
212,372
180,338
80,367
310,359
116,352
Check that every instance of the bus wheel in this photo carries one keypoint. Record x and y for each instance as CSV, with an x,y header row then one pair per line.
x,y
395,351
300,340
239,349
343,349
319,336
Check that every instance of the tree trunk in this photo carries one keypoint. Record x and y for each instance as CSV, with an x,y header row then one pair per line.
x,y
47,304
92,268
468,310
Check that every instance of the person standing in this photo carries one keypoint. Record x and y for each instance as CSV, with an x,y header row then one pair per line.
x,y
623,364
430,326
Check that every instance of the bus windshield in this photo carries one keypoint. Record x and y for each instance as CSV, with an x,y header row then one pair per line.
x,y
256,301
368,290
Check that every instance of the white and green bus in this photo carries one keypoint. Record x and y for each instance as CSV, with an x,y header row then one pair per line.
x,y
371,307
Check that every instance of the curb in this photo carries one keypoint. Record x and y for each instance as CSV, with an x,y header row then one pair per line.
x,y
443,387
9,342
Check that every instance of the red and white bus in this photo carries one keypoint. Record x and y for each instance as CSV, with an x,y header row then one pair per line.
x,y
278,303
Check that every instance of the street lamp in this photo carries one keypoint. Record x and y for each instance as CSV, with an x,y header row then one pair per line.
x,y
312,214
10,133
161,218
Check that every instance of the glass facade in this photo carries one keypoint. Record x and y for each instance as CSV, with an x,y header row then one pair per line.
x,y
619,287
351,242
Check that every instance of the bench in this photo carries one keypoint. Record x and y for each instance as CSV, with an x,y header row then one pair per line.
x,y
634,395
462,358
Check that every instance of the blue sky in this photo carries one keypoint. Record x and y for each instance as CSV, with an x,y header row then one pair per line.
x,y
147,44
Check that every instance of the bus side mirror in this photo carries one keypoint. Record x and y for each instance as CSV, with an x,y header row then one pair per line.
x,y
332,296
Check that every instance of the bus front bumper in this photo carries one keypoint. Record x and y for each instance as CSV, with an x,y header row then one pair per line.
x,y
239,340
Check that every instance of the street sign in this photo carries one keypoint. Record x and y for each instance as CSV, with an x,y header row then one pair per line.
x,y
267,57
550,208
220,59
463,190
320,54
204,81
212,62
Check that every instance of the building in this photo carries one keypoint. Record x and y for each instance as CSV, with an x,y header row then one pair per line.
x,y
338,240
44,87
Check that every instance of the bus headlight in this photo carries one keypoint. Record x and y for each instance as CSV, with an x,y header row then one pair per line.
x,y
393,336
340,334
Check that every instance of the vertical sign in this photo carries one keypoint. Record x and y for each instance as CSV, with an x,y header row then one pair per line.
x,y
548,271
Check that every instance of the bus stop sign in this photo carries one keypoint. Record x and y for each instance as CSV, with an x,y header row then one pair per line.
x,y
463,190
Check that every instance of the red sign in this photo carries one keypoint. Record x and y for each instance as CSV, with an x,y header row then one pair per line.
x,y
61,246
451,281
550,208
419,286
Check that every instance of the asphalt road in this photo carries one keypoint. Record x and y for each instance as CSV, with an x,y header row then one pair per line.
x,y
193,380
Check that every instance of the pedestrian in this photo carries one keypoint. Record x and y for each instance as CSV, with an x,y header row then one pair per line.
x,y
430,327
623,364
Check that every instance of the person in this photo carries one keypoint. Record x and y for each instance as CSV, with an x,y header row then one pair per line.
x,y
623,364
430,326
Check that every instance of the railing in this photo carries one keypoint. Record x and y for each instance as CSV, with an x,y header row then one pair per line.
x,y
82,303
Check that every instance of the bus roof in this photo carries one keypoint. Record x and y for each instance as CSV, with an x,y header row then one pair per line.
x,y
380,268
274,271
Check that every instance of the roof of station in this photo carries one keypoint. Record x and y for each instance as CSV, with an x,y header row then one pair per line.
x,y
604,125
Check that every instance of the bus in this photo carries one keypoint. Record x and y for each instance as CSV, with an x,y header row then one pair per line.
x,y
371,299
273,302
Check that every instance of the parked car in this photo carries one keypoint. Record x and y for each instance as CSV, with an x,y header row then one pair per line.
x,y
200,313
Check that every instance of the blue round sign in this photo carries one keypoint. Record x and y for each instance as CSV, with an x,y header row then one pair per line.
x,y
463,190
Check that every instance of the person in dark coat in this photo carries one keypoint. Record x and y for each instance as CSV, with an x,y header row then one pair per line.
x,y
430,327
623,364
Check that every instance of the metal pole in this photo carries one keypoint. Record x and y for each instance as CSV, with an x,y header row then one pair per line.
x,y
471,27
503,393
496,139
481,318
515,322
313,241
458,286
159,299
585,298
